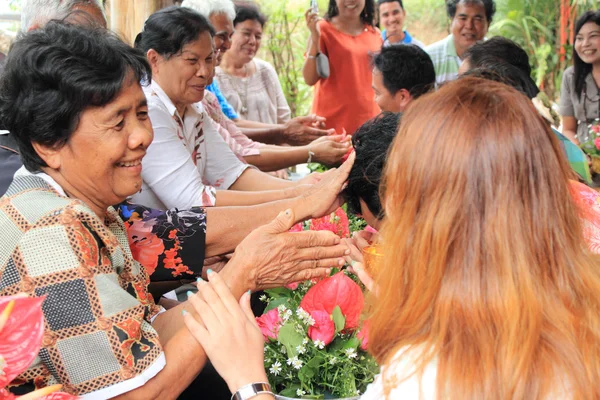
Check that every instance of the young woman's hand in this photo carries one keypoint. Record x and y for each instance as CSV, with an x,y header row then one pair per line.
x,y
227,331
312,22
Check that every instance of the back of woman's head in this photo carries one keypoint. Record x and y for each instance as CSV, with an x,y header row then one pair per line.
x,y
486,267
168,30
580,68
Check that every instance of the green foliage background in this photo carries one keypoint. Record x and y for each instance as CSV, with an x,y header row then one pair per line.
x,y
531,23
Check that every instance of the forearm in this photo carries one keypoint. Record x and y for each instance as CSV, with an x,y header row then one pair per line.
x,y
273,158
270,135
227,226
253,180
245,197
309,70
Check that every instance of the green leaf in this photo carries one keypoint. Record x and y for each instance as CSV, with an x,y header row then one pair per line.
x,y
290,338
351,343
310,369
338,319
290,391
276,303
279,292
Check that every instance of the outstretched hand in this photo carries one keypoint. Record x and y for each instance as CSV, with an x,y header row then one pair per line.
x,y
228,333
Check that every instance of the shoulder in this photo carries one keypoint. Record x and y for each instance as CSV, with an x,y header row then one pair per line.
x,y
568,74
439,46
418,43
264,65
401,380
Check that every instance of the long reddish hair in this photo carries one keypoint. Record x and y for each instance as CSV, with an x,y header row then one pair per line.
x,y
486,270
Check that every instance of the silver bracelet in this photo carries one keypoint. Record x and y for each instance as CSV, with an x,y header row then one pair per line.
x,y
310,156
252,390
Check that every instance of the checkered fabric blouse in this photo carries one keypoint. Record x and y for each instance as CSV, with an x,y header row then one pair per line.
x,y
98,339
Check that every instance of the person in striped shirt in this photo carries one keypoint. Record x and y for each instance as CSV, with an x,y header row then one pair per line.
x,y
470,20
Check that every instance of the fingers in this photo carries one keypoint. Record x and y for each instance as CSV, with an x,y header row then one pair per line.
x,y
197,330
315,133
359,270
227,300
305,239
247,308
355,253
332,256
282,223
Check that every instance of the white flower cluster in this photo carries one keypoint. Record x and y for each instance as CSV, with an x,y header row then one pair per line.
x,y
284,313
301,349
305,317
351,353
300,392
319,344
263,298
295,362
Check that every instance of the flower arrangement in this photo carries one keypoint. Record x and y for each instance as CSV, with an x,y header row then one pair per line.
x,y
21,332
315,345
590,144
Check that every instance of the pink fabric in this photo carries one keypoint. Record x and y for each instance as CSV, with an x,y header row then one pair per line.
x,y
239,143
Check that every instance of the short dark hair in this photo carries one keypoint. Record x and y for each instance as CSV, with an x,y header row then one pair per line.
x,y
249,12
489,5
503,72
55,73
501,48
405,66
380,2
168,30
367,16
371,142
581,69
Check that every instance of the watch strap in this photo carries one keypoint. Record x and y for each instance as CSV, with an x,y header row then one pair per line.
x,y
252,390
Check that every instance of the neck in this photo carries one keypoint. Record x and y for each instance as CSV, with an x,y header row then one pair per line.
x,y
180,107
396,38
234,66
97,206
349,23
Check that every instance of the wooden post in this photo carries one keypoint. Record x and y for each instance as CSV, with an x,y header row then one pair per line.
x,y
127,16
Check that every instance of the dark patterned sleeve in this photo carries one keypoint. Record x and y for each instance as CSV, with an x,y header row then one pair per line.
x,y
169,244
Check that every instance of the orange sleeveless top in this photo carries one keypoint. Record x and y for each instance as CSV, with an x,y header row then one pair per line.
x,y
346,98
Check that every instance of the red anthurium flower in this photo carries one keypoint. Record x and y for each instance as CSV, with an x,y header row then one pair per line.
x,y
363,336
292,286
269,324
597,143
21,331
336,222
337,290
323,328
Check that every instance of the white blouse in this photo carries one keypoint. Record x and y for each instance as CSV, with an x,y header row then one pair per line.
x,y
188,159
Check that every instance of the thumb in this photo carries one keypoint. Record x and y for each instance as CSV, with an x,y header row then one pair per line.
x,y
304,119
283,222
247,308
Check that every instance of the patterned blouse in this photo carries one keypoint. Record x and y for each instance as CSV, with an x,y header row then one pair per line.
x,y
98,340
169,244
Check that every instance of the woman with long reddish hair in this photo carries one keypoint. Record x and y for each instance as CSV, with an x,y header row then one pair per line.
x,y
488,289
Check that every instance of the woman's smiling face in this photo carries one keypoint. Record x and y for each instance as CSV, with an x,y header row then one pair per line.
x,y
185,75
587,43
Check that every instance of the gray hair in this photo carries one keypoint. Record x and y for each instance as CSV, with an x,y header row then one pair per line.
x,y
41,11
208,7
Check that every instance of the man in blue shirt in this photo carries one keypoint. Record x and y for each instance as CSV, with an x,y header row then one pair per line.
x,y
392,16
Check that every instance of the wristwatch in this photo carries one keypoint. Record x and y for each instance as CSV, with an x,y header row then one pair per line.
x,y
252,390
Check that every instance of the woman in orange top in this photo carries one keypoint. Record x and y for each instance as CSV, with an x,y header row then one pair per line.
x,y
347,37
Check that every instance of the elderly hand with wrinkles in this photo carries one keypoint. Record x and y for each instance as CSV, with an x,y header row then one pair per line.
x,y
271,256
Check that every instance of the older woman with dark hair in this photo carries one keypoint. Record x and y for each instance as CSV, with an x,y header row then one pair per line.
x,y
189,160
73,101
